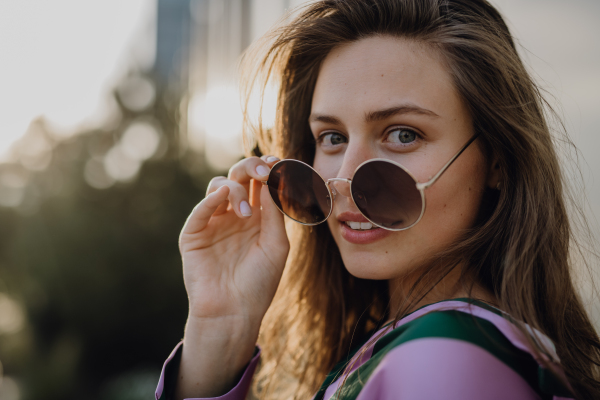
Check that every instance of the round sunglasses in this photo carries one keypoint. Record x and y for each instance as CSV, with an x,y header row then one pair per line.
x,y
385,192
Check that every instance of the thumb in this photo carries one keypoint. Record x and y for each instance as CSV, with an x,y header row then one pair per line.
x,y
272,230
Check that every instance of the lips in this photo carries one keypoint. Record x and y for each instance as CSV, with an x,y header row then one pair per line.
x,y
351,216
361,236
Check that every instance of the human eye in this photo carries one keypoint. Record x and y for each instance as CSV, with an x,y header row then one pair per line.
x,y
330,139
402,136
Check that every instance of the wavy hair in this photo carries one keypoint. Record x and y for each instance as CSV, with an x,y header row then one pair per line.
x,y
521,247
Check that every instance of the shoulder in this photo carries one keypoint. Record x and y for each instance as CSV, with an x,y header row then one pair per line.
x,y
452,350
453,324
453,355
435,367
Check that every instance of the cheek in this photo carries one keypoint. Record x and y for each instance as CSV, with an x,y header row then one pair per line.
x,y
452,203
320,165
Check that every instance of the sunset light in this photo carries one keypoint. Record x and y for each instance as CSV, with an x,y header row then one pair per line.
x,y
60,67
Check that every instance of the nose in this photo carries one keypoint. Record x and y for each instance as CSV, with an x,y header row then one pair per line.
x,y
340,185
358,151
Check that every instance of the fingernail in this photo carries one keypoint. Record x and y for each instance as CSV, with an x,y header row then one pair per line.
x,y
262,170
245,209
272,158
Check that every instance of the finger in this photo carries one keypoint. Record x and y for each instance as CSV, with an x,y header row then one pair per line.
x,y
255,193
272,224
222,209
237,200
200,215
270,160
249,168
214,184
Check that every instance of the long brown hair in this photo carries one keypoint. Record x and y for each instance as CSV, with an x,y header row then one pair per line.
x,y
520,248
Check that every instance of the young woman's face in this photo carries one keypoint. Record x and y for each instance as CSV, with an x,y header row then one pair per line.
x,y
384,97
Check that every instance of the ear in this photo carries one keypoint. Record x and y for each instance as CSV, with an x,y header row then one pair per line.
x,y
494,174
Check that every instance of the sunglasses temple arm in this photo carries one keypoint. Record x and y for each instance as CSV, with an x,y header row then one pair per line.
x,y
425,185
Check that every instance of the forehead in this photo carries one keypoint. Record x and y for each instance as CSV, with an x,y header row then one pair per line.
x,y
382,71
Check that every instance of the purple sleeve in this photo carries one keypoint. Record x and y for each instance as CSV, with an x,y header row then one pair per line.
x,y
237,393
439,368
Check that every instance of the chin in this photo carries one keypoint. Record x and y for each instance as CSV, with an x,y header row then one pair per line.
x,y
372,266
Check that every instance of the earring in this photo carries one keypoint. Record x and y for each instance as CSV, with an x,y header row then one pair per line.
x,y
498,186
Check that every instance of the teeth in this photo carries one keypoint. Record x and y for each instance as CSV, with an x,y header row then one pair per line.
x,y
362,226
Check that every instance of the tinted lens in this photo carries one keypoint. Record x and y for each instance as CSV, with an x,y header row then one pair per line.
x,y
387,195
299,192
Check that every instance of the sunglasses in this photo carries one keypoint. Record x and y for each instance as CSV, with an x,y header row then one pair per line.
x,y
385,192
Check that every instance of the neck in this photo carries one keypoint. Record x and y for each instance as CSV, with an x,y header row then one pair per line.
x,y
452,286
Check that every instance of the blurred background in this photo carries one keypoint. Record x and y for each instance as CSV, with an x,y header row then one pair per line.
x,y
114,115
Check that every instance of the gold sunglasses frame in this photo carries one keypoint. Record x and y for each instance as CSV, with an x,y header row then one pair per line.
x,y
421,186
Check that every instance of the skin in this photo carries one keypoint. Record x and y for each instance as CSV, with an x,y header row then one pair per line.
x,y
383,73
233,261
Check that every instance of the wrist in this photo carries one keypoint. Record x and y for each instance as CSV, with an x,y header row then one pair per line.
x,y
233,338
214,355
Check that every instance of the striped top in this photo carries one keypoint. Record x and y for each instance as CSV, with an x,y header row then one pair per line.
x,y
454,349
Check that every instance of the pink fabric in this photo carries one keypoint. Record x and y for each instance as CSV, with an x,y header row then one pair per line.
x,y
161,380
429,368
507,328
237,393
448,369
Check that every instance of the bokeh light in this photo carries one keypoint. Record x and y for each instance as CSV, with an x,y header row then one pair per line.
x,y
140,140
9,389
137,93
96,176
12,318
121,166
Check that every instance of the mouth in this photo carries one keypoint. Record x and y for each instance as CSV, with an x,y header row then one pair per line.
x,y
360,226
361,232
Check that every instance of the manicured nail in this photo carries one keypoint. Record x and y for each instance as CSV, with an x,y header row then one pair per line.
x,y
245,209
272,158
262,170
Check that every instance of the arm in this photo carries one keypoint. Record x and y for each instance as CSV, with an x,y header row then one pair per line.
x,y
214,356
169,375
233,247
439,368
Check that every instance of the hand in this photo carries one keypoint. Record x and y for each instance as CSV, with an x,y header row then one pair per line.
x,y
233,249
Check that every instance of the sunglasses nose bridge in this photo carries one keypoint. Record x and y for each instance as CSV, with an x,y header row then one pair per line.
x,y
340,185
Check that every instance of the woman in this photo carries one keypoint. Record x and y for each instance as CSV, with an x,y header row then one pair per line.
x,y
470,297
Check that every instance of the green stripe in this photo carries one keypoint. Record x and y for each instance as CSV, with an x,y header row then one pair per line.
x,y
337,369
451,324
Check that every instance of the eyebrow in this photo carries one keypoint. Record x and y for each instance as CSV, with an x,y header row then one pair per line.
x,y
378,115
